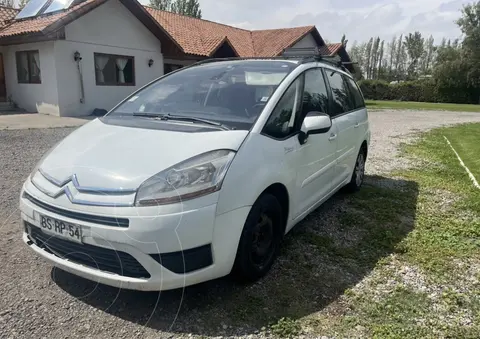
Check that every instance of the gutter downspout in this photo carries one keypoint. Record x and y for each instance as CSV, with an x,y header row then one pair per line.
x,y
78,58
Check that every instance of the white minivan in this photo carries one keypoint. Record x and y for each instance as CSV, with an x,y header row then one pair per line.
x,y
198,174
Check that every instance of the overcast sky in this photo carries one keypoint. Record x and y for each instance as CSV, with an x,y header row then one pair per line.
x,y
358,19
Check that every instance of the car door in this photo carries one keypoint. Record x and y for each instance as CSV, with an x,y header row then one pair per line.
x,y
317,156
360,112
346,124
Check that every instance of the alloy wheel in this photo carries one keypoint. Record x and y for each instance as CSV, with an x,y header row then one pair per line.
x,y
360,170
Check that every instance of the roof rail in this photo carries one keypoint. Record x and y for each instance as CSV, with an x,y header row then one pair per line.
x,y
206,61
304,54
309,54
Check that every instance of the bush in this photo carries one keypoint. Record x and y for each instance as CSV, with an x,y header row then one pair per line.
x,y
419,90
375,89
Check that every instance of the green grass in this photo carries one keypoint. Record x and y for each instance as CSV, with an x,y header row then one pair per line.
x,y
378,104
465,140
445,232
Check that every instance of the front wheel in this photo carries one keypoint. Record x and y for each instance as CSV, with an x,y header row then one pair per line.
x,y
260,240
358,172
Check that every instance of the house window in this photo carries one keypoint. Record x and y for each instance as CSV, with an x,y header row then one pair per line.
x,y
28,67
114,70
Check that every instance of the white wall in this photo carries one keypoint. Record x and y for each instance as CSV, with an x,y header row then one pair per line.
x,y
307,41
110,29
43,97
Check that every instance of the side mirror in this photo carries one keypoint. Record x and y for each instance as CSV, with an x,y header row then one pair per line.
x,y
314,123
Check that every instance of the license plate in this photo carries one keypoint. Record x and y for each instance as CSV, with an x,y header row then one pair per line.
x,y
60,228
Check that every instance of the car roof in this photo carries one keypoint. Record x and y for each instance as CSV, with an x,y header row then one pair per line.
x,y
294,62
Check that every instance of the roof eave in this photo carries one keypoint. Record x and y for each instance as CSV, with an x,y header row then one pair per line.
x,y
31,37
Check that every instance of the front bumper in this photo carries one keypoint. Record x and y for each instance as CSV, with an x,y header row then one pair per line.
x,y
149,235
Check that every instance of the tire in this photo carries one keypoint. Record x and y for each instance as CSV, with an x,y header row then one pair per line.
x,y
260,240
358,174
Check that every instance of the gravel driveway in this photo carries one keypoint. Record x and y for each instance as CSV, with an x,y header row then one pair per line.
x,y
38,301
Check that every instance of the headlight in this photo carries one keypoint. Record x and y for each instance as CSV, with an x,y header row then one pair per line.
x,y
197,176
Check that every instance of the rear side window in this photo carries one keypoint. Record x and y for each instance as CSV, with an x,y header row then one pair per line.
x,y
357,97
315,94
342,101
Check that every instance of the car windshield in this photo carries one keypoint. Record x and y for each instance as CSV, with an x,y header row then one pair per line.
x,y
231,93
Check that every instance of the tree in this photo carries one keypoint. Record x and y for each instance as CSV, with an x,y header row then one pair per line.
x,y
414,45
368,57
429,54
374,58
444,42
187,7
357,55
344,41
380,69
457,70
392,46
184,7
22,3
399,58
7,3
163,5
469,24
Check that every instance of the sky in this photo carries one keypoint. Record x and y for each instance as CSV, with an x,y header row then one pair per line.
x,y
358,19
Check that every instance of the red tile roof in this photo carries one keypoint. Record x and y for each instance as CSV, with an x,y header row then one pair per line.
x,y
272,42
330,49
194,36
6,14
202,37
42,23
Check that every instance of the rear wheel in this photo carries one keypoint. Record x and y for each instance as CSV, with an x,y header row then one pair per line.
x,y
358,172
260,240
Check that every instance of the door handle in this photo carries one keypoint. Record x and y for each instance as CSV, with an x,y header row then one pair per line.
x,y
333,136
356,125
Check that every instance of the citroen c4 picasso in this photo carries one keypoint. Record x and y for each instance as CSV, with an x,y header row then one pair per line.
x,y
199,174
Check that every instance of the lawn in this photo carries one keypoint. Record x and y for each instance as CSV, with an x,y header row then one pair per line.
x,y
414,236
465,140
377,104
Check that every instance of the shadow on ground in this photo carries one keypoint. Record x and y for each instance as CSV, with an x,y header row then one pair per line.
x,y
330,251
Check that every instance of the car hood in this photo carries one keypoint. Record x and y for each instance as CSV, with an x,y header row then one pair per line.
x,y
113,157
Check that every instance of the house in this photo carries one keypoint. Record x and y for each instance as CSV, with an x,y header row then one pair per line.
x,y
94,53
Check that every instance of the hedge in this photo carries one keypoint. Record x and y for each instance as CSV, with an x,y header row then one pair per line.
x,y
427,90
419,90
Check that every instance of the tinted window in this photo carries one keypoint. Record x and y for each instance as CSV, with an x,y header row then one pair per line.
x,y
233,93
315,95
357,97
28,67
281,122
340,93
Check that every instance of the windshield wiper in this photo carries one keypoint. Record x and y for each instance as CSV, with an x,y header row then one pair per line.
x,y
169,116
147,115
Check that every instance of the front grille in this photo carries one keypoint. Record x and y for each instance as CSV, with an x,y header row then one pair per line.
x,y
95,219
100,258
